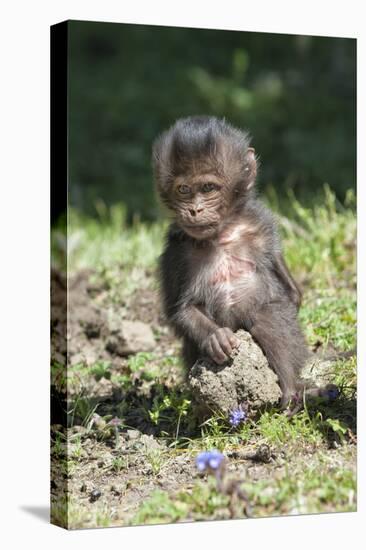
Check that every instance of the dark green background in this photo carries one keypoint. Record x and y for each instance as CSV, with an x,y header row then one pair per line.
x,y
295,94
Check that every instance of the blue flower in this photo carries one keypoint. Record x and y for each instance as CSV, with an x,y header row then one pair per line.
x,y
215,459
202,461
209,460
333,393
237,416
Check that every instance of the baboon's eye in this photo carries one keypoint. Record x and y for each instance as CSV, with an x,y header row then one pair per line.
x,y
207,187
184,189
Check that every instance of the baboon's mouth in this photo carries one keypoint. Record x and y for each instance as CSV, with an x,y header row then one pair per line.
x,y
202,231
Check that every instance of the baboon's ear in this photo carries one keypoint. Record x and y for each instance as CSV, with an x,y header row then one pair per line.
x,y
161,165
250,153
250,168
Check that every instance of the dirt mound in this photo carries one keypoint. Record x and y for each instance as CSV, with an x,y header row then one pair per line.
x,y
90,332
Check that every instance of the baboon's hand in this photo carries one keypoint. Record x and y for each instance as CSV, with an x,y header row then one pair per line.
x,y
220,344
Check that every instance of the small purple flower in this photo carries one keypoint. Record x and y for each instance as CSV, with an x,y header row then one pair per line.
x,y
115,422
237,416
202,460
210,460
215,459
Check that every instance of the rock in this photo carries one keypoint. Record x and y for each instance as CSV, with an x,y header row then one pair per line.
x,y
245,380
92,328
94,495
129,337
150,443
133,434
319,369
101,390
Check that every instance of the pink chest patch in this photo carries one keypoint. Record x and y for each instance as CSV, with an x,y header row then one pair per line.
x,y
232,268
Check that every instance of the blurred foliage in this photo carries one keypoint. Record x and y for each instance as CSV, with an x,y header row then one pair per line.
x,y
295,94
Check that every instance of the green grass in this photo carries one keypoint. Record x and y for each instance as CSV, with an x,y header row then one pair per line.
x,y
318,485
202,502
320,248
319,242
120,253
